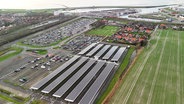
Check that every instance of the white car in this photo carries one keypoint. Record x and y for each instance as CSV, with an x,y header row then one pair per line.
x,y
43,67
48,63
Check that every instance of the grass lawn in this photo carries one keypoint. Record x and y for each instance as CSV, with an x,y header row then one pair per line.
x,y
26,45
12,10
7,96
157,76
103,31
9,52
117,75
13,100
38,51
57,47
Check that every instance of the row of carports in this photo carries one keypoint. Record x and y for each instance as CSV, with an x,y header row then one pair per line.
x,y
103,52
81,79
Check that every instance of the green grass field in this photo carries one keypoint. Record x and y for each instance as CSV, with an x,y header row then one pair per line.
x,y
38,51
103,31
12,98
9,52
158,75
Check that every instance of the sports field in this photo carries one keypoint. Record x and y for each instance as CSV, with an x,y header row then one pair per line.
x,y
158,75
103,31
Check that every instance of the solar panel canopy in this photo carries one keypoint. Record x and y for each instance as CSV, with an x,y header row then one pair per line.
x,y
62,77
81,78
119,53
87,48
94,89
54,73
60,92
84,82
102,51
110,53
94,50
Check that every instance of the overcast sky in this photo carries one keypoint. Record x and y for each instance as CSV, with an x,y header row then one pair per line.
x,y
40,4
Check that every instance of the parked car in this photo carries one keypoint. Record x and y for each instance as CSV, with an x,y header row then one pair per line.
x,y
23,80
17,70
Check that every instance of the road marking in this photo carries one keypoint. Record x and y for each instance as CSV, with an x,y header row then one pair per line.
x,y
11,72
7,75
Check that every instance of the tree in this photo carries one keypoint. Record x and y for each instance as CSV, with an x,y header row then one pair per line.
x,y
143,42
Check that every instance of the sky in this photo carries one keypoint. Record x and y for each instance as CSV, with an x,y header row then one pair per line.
x,y
42,4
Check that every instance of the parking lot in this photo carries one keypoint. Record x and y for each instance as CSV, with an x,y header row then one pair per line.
x,y
30,69
53,36
6,68
77,44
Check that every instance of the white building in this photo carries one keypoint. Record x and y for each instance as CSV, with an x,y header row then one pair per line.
x,y
56,13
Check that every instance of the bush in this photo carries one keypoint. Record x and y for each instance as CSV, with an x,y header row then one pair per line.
x,y
37,102
5,91
19,98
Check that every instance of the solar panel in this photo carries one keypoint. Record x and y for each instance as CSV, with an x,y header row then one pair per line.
x,y
94,50
84,82
118,54
62,77
54,73
87,48
62,90
109,53
102,51
95,88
